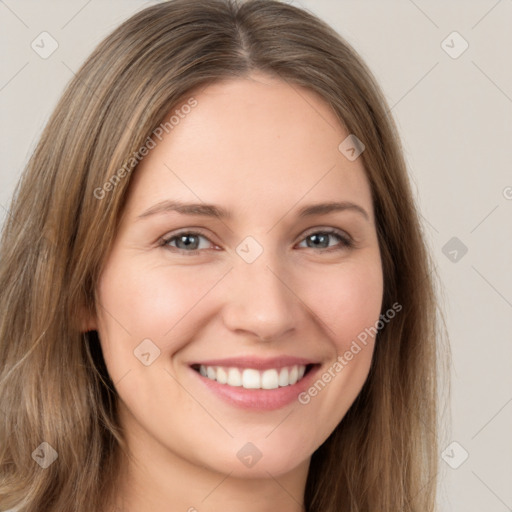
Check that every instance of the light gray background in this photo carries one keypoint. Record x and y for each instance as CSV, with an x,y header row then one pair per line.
x,y
454,115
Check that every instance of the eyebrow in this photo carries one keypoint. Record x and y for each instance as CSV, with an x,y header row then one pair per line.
x,y
211,210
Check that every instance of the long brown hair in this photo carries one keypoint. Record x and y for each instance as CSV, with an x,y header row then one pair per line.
x,y
54,385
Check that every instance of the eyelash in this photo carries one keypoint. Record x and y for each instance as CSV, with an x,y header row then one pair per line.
x,y
345,241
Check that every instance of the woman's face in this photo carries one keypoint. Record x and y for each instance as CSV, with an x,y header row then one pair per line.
x,y
248,245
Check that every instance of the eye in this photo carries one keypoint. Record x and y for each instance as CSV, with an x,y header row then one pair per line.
x,y
187,241
193,241
322,240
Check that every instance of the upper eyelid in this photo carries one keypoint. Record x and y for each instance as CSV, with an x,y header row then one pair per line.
x,y
189,231
330,230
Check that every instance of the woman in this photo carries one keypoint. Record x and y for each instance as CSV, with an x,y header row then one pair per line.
x,y
214,287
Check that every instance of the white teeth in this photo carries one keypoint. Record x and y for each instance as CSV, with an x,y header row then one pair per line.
x,y
234,377
222,376
210,372
294,374
269,379
283,377
249,378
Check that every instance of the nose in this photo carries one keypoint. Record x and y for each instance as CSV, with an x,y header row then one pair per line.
x,y
260,301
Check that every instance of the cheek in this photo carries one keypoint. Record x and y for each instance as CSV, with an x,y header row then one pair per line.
x,y
348,303
347,300
140,303
151,302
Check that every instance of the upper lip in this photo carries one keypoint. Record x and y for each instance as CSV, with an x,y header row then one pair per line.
x,y
256,363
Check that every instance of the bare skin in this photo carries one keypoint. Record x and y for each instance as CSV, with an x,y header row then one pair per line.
x,y
262,150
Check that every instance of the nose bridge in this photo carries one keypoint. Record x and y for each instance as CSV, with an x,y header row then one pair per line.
x,y
259,301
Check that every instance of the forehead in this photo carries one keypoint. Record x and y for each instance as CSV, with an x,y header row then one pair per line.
x,y
251,140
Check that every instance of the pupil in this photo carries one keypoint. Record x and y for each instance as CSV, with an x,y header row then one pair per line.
x,y
185,240
323,240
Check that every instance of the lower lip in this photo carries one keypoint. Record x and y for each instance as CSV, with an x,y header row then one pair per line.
x,y
259,399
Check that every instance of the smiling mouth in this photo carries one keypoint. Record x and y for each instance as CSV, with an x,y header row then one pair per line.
x,y
250,378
